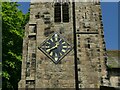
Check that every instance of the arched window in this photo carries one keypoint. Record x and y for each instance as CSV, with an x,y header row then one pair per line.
x,y
65,12
57,12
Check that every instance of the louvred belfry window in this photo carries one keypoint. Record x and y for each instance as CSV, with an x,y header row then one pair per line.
x,y
57,12
65,12
61,16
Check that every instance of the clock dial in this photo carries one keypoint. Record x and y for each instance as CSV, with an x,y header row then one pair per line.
x,y
55,47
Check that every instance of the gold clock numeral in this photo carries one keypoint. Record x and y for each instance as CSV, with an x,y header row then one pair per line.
x,y
43,46
60,54
56,37
63,50
69,47
63,42
51,53
48,50
48,42
47,46
64,46
56,57
51,39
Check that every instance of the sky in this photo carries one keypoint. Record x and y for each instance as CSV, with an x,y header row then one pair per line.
x,y
110,22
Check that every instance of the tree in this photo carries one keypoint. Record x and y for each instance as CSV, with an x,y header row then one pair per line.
x,y
13,22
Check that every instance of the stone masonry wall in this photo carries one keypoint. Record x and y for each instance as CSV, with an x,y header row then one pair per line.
x,y
38,71
90,46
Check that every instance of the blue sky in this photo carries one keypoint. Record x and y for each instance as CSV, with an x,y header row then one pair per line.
x,y
110,22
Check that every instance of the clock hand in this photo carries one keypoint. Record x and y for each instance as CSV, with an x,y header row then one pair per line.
x,y
48,50
58,42
56,45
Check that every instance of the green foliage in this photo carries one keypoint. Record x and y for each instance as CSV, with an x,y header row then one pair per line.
x,y
13,22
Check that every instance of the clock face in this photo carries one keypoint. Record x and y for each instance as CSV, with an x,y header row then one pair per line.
x,y
55,47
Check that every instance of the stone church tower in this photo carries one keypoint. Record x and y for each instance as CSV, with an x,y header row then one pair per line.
x,y
64,46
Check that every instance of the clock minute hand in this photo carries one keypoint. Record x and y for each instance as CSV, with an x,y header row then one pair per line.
x,y
52,48
56,45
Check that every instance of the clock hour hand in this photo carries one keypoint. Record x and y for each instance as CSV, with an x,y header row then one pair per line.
x,y
58,42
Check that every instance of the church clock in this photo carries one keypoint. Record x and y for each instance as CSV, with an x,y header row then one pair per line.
x,y
55,47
